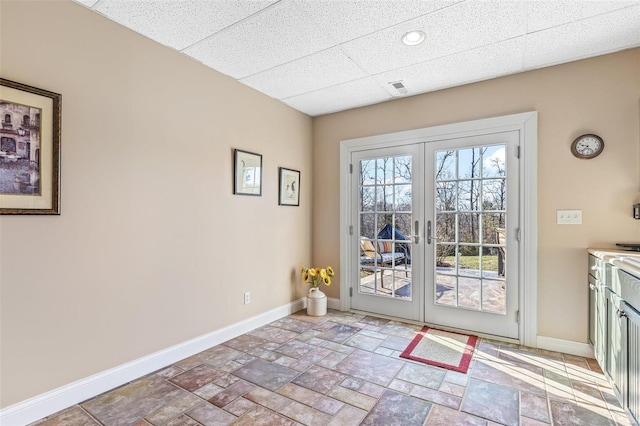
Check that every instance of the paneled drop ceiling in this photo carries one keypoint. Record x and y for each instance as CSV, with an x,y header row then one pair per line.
x,y
324,56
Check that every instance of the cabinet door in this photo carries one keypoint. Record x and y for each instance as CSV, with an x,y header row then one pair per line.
x,y
593,315
599,348
616,345
632,398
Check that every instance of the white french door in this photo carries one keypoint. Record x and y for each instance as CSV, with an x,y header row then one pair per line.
x,y
387,200
471,251
435,223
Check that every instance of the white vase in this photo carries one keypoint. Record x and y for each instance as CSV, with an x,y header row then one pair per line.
x,y
316,302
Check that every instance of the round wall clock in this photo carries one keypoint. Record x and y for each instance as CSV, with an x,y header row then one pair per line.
x,y
587,146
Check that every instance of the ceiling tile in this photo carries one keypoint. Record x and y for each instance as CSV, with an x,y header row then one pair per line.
x,y
337,98
473,65
455,29
345,20
179,24
323,69
547,14
280,34
589,37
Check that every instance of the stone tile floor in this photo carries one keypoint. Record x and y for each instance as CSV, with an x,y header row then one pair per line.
x,y
344,369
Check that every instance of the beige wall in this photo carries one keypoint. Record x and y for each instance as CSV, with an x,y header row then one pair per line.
x,y
152,248
599,95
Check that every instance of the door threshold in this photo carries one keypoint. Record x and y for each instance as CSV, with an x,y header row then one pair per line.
x,y
440,327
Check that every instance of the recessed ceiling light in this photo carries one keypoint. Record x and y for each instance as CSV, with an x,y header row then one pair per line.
x,y
413,37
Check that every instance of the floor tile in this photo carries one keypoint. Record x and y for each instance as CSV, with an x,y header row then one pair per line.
x,y
300,394
274,334
339,333
535,407
370,367
328,405
209,415
508,375
366,343
169,372
306,415
565,414
267,399
492,402
443,416
295,349
319,379
266,374
239,406
173,410
231,393
183,421
395,408
352,397
348,416
245,343
73,416
437,397
196,378
130,403
422,374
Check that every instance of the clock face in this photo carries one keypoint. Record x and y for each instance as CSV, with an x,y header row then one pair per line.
x,y
587,146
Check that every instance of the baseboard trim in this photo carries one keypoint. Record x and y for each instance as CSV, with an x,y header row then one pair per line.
x,y
565,346
333,303
51,402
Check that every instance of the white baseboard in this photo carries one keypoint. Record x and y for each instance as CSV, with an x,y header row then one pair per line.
x,y
333,303
565,346
51,402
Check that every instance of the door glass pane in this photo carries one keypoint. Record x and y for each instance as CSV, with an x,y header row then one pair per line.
x,y
367,199
468,227
368,225
493,296
446,196
446,227
385,245
470,204
469,293
469,162
493,161
402,169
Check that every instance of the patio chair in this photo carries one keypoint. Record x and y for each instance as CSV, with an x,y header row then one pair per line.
x,y
374,254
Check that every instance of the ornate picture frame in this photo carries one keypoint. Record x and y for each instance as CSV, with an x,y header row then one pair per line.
x,y
29,149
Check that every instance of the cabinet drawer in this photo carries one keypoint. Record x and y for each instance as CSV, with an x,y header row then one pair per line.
x,y
630,289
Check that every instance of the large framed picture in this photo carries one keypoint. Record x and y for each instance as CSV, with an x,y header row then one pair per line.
x,y
247,171
289,193
29,149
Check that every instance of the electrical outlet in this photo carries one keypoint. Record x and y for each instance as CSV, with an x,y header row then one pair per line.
x,y
569,217
247,297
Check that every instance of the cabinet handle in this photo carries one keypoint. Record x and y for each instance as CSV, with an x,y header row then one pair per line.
x,y
592,287
594,268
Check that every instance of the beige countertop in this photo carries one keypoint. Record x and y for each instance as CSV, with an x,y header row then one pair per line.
x,y
628,261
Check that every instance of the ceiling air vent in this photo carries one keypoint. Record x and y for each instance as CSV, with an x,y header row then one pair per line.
x,y
399,87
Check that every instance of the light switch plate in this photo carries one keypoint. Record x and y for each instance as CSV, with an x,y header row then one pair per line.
x,y
569,217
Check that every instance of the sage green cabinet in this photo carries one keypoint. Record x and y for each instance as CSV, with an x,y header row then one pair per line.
x,y
614,330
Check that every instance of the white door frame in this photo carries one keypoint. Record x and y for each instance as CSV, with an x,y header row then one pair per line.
x,y
527,125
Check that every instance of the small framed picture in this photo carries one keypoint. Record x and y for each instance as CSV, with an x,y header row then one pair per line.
x,y
247,170
289,194
29,149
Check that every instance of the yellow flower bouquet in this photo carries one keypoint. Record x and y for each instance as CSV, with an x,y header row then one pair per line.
x,y
316,276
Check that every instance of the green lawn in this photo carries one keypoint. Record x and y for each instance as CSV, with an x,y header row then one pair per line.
x,y
473,262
